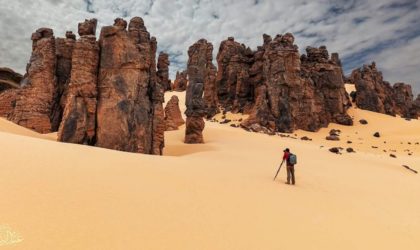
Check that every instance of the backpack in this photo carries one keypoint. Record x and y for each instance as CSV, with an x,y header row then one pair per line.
x,y
292,159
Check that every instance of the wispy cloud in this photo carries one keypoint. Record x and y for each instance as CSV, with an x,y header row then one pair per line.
x,y
386,31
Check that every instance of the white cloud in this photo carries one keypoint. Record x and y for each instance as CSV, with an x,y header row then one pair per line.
x,y
361,31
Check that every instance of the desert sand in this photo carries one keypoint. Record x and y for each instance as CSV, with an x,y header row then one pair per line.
x,y
219,195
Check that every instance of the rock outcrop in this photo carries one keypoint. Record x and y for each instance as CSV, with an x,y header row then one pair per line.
x,y
198,70
415,110
234,87
35,100
377,95
9,79
8,102
330,96
129,110
63,51
79,120
9,89
293,92
163,71
173,116
181,81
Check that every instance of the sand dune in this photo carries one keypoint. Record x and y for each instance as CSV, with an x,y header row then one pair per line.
x,y
220,195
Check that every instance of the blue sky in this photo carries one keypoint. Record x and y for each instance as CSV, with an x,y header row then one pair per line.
x,y
385,31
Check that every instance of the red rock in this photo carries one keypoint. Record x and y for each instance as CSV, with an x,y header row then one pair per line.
x,y
127,112
34,104
63,51
377,95
79,120
8,102
158,93
194,127
199,66
173,116
330,94
88,27
181,81
296,93
163,71
233,83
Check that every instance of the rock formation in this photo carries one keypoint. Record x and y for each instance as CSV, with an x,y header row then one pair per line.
x,y
293,92
234,88
8,102
198,70
415,110
403,99
163,71
173,116
79,120
129,110
63,51
35,101
9,79
9,88
326,76
375,94
181,81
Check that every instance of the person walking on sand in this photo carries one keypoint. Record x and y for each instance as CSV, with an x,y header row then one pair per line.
x,y
290,165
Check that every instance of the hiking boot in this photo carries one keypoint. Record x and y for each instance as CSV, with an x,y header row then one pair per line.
x,y
288,183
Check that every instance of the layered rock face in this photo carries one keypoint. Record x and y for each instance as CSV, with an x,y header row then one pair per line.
x,y
198,70
181,81
173,116
9,79
129,110
63,51
34,104
233,82
163,71
79,120
375,94
295,93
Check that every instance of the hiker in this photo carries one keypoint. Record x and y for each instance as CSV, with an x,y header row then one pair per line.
x,y
290,163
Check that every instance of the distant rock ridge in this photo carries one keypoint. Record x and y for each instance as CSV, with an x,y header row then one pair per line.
x,y
375,94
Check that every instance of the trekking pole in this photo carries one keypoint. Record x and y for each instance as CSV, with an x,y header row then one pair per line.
x,y
278,170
